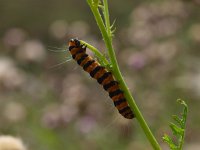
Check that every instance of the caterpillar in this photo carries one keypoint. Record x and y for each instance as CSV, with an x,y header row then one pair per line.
x,y
102,75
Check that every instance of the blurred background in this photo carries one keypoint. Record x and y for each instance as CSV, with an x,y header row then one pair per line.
x,y
53,104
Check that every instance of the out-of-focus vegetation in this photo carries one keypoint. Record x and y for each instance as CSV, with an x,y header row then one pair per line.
x,y
157,45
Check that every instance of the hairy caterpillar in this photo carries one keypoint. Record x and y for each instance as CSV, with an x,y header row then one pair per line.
x,y
102,75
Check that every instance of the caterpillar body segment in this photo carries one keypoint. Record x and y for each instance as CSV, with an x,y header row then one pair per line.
x,y
102,75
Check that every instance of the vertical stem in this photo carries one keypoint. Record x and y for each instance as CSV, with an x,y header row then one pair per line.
x,y
107,39
185,111
107,20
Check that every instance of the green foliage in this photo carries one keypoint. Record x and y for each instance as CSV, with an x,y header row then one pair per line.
x,y
178,129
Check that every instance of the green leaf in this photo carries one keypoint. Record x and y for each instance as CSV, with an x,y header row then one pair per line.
x,y
101,6
178,130
178,120
113,24
113,28
175,129
167,139
170,142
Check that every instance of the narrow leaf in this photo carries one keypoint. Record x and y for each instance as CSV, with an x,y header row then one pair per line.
x,y
178,120
170,142
175,129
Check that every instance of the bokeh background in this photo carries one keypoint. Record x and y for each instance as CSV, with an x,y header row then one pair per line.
x,y
51,103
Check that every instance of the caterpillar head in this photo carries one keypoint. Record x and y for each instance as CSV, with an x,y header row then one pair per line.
x,y
74,43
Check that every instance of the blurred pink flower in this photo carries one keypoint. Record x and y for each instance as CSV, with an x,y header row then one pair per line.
x,y
137,60
86,124
140,35
166,27
68,113
151,11
163,51
51,117
58,115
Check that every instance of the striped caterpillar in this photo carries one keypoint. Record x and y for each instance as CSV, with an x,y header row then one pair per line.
x,y
102,75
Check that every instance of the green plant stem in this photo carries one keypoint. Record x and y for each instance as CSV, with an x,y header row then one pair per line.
x,y
118,75
107,20
96,52
184,126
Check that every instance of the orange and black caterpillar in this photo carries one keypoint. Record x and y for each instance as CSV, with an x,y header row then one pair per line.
x,y
102,75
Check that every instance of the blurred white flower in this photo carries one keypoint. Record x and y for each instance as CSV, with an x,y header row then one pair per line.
x,y
189,81
10,76
59,29
174,8
78,28
14,112
11,143
31,51
14,37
